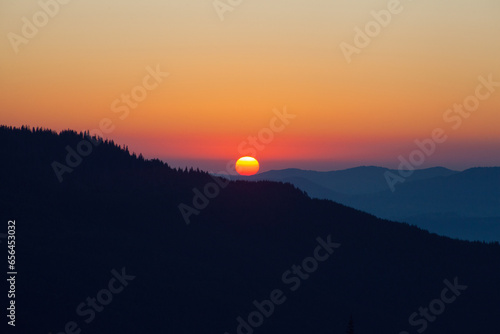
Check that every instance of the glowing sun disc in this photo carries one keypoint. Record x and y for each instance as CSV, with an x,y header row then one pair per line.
x,y
247,166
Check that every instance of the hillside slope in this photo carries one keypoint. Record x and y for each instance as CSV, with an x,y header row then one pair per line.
x,y
119,212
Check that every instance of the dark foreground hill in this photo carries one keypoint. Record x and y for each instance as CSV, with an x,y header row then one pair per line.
x,y
107,250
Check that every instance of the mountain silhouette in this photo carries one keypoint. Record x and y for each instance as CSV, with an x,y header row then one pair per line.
x,y
462,205
352,181
114,224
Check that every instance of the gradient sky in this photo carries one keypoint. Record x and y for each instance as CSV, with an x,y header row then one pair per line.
x,y
227,77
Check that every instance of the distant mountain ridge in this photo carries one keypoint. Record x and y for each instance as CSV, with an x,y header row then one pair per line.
x,y
469,196
352,181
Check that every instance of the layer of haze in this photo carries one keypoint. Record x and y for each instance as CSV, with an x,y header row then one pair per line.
x,y
226,77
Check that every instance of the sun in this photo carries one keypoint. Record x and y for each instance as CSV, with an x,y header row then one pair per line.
x,y
247,166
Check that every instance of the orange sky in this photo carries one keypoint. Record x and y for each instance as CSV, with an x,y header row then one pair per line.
x,y
226,77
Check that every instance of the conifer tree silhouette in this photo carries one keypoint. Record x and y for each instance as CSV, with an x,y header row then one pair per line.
x,y
350,326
